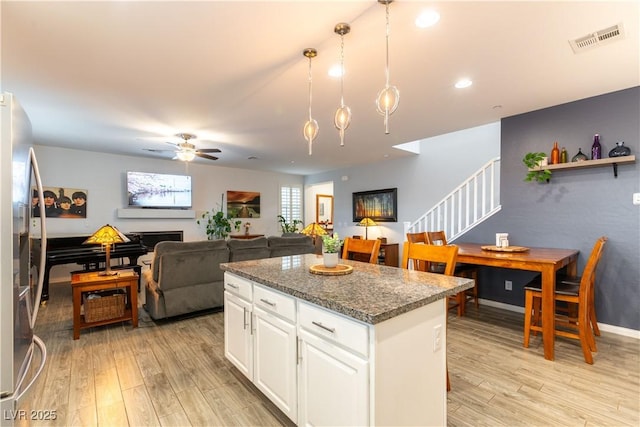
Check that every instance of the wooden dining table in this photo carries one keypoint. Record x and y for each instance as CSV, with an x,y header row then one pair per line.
x,y
545,260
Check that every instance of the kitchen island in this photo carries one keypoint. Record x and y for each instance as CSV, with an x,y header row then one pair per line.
x,y
366,348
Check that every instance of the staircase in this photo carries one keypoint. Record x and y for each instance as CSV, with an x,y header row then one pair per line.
x,y
472,202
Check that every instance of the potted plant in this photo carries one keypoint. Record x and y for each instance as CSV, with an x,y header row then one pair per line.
x,y
534,161
217,225
287,227
330,249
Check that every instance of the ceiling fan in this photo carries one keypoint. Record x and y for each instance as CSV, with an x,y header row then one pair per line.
x,y
187,151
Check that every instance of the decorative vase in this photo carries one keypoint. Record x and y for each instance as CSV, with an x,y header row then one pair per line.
x,y
555,154
580,157
563,155
330,259
620,150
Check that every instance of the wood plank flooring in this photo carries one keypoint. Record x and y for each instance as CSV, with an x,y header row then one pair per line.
x,y
173,373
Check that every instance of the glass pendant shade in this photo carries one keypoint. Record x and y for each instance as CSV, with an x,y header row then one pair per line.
x,y
310,131
310,128
389,97
342,120
386,103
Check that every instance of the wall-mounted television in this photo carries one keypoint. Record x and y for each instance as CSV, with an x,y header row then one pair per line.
x,y
158,190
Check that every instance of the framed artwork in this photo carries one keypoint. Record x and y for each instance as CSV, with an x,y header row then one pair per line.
x,y
379,205
60,202
243,204
324,209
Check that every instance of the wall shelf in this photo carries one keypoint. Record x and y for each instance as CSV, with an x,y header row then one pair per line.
x,y
156,213
615,161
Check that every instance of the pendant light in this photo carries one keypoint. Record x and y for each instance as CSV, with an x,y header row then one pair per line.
x,y
388,97
310,129
342,119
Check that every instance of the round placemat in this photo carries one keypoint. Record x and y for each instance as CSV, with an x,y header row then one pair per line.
x,y
339,270
505,249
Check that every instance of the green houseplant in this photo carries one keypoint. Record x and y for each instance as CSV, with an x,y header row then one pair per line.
x,y
533,160
288,227
330,250
217,225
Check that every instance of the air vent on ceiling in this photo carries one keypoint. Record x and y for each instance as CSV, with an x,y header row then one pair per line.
x,y
599,38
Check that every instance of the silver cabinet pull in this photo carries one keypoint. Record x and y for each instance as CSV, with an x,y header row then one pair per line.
x,y
244,318
231,285
320,325
272,304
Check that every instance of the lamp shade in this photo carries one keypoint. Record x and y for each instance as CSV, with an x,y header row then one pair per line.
x,y
367,222
107,236
314,229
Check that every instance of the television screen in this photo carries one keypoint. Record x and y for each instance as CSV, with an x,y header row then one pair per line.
x,y
156,190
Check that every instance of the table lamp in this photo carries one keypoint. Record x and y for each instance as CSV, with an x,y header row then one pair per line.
x,y
366,223
107,236
314,229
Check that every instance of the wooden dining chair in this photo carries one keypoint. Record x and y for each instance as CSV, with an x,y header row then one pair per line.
x,y
420,237
462,270
414,253
567,325
361,250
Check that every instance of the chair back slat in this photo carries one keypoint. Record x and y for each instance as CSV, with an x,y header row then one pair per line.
x,y
370,248
589,273
420,237
421,253
436,238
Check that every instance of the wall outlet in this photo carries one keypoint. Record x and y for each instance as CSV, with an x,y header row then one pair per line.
x,y
636,198
508,285
437,338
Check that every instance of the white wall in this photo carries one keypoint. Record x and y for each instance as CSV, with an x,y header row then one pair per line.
x,y
104,175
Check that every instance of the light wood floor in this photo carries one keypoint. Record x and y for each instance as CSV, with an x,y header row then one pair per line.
x,y
175,373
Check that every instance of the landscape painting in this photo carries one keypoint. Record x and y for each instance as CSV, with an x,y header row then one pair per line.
x,y
243,204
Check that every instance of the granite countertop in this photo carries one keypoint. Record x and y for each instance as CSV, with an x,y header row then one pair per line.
x,y
371,293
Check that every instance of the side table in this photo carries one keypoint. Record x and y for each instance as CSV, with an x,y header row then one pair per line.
x,y
86,282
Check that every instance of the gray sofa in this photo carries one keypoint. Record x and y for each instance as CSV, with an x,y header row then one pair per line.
x,y
186,277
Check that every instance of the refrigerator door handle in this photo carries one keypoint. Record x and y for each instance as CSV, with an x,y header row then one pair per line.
x,y
43,238
43,359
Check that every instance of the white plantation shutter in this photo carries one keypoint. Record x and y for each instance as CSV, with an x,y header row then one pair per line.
x,y
291,203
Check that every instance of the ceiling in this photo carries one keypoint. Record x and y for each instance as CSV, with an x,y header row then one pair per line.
x,y
121,77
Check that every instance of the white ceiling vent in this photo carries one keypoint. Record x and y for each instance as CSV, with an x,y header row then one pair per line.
x,y
599,38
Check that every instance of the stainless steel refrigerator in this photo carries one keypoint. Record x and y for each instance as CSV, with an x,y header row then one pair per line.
x,y
20,281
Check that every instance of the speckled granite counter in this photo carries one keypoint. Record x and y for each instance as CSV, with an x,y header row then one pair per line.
x,y
372,293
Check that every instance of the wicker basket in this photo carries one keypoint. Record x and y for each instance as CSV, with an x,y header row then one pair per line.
x,y
107,306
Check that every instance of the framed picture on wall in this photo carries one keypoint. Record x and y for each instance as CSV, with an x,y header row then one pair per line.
x,y
379,205
60,202
243,204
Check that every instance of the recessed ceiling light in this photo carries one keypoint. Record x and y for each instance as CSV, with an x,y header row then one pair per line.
x,y
427,19
462,83
335,71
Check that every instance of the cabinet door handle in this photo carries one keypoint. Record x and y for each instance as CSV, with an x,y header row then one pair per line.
x,y
298,350
272,304
231,285
320,325
244,318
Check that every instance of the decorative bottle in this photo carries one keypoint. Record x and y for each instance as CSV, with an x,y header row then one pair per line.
x,y
580,157
596,148
563,155
555,154
620,150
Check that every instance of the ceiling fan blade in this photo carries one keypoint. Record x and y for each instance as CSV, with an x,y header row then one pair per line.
x,y
209,150
155,150
206,156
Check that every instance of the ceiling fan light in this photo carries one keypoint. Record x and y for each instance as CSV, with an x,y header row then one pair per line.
x,y
186,156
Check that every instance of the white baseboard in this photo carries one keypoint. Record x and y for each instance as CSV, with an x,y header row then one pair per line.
x,y
618,330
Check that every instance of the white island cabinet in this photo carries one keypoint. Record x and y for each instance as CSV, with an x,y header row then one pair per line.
x,y
368,348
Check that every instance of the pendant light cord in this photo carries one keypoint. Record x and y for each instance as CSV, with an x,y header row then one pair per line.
x,y
387,42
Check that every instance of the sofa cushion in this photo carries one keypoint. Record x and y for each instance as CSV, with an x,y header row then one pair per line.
x,y
294,245
187,268
170,246
245,249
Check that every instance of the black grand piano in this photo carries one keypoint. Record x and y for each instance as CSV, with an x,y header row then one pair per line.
x,y
69,250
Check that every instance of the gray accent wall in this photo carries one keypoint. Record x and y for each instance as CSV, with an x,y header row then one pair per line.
x,y
576,206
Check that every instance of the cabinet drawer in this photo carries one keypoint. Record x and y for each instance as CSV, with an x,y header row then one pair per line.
x,y
238,286
334,327
275,302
